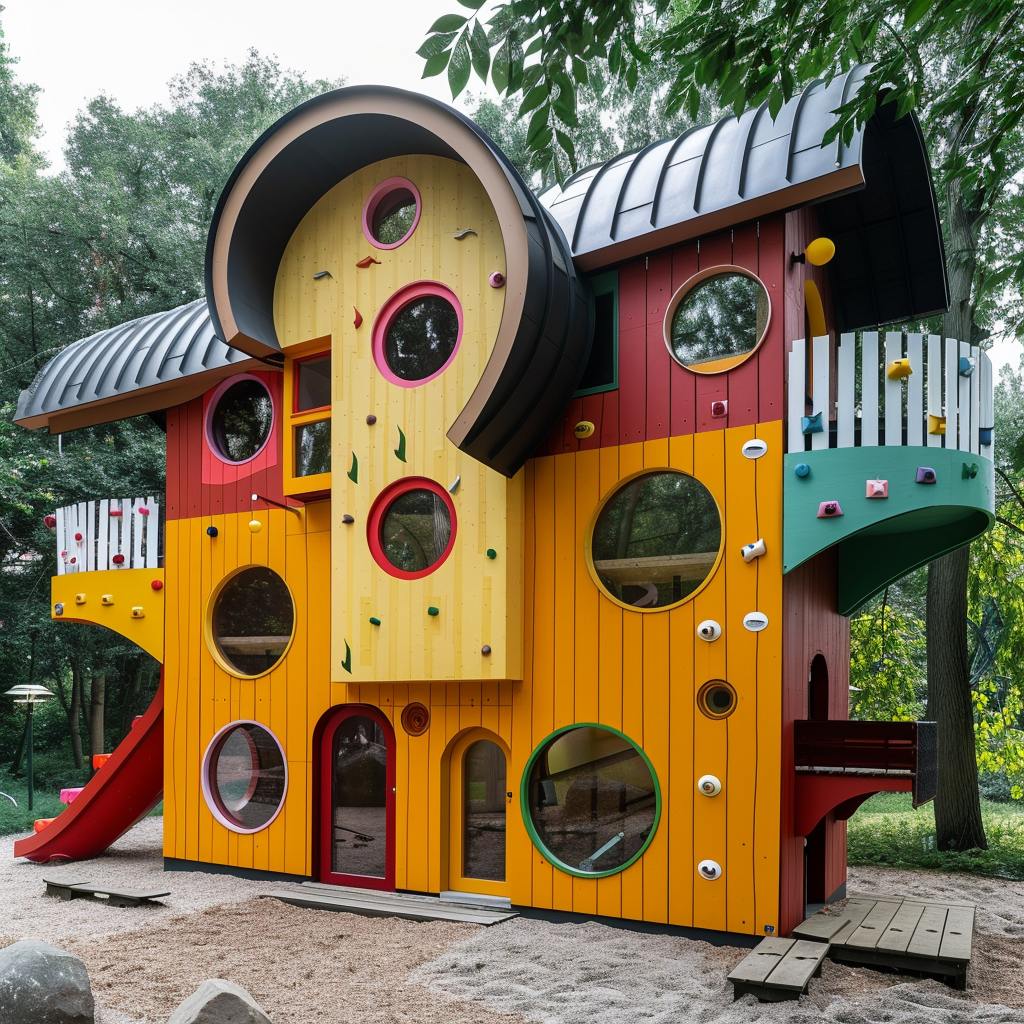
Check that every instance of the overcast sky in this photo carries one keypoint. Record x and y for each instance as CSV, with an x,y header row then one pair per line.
x,y
130,49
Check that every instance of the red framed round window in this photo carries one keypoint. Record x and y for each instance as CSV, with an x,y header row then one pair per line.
x,y
417,333
411,530
391,213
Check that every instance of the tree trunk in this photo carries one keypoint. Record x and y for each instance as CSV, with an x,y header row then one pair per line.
x,y
74,712
97,700
958,823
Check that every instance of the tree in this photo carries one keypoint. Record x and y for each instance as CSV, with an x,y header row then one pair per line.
x,y
959,65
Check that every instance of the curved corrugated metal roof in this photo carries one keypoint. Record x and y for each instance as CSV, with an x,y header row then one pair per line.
x,y
142,358
875,192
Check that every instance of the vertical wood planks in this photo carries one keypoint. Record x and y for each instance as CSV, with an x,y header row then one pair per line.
x,y
797,398
951,352
986,409
915,392
935,404
869,389
964,395
820,390
975,383
845,409
893,390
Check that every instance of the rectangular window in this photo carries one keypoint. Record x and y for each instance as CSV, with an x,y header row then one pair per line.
x,y
602,370
307,433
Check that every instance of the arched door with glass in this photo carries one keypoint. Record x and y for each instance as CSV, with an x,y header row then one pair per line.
x,y
357,795
479,806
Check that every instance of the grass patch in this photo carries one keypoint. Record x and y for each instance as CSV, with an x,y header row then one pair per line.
x,y
887,830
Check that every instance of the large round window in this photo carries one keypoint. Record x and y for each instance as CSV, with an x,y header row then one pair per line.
x,y
391,213
251,621
717,319
244,777
417,333
591,800
656,540
240,420
411,527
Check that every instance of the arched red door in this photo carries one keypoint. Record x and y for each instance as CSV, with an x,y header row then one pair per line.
x,y
357,799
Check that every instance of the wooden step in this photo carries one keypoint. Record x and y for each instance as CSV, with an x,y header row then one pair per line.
x,y
778,969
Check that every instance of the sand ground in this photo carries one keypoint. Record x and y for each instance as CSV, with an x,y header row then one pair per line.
x,y
317,966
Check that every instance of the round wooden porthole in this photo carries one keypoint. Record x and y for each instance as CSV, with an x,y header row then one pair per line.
x,y
717,319
655,540
415,719
245,776
417,333
591,800
391,213
239,419
411,528
716,699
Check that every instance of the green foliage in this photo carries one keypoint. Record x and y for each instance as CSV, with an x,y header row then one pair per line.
x,y
887,830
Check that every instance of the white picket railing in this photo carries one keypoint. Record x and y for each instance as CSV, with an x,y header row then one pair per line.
x,y
861,405
122,533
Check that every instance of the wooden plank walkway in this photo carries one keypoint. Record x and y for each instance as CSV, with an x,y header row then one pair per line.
x,y
374,903
933,939
778,969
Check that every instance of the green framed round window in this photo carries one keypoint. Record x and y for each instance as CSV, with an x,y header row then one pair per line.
x,y
591,800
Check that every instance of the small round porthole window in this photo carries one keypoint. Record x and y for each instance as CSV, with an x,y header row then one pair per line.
x,y
417,333
716,699
655,540
591,800
239,421
251,621
244,777
411,528
717,319
391,213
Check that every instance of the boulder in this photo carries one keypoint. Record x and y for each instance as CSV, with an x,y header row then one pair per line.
x,y
217,1001
40,984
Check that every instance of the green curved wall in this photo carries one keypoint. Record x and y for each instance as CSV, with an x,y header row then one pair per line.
x,y
882,539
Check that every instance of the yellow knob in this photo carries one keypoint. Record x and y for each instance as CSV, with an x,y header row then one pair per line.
x,y
255,525
820,251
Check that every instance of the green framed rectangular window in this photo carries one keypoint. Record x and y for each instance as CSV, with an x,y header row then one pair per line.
x,y
602,369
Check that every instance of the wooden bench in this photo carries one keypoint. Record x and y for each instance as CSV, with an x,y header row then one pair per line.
x,y
778,969
113,897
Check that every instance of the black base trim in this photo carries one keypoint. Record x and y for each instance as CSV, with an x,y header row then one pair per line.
x,y
252,874
839,894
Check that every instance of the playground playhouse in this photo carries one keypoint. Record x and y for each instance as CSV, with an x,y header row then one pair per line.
x,y
508,541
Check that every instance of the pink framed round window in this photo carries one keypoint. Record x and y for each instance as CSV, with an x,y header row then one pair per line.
x,y
239,419
245,776
411,529
391,213
417,333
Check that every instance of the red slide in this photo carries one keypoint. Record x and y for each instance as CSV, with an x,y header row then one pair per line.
x,y
120,794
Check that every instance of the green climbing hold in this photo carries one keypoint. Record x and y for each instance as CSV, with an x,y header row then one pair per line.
x,y
374,621
353,473
347,663
400,450
491,553
433,611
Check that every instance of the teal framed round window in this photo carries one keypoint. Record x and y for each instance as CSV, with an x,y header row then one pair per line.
x,y
590,800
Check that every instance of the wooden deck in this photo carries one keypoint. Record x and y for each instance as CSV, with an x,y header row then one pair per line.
x,y
932,939
374,903
778,969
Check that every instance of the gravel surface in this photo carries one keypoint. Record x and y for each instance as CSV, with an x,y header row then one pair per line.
x,y
310,966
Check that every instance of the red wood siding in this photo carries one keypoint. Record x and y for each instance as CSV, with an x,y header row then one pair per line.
x,y
658,398
812,626
200,484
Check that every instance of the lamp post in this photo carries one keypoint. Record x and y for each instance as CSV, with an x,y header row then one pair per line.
x,y
31,695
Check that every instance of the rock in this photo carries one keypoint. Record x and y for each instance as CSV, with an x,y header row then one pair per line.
x,y
217,1001
40,984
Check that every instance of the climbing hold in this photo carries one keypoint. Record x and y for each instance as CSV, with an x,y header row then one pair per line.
x,y
211,531
321,274
367,261
455,485
719,408
709,785
137,612
491,553
78,537
374,621
829,510
709,630
347,663
811,424
925,475
157,584
753,550
898,369
709,869
820,251
143,511
50,522
583,429
755,621
969,472
802,470
371,419
877,489
433,611
353,473
118,559
358,319
255,525
459,235
966,366
936,424
754,449
400,450
985,435
346,518
496,280
486,649
58,608
79,598
107,599
116,513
